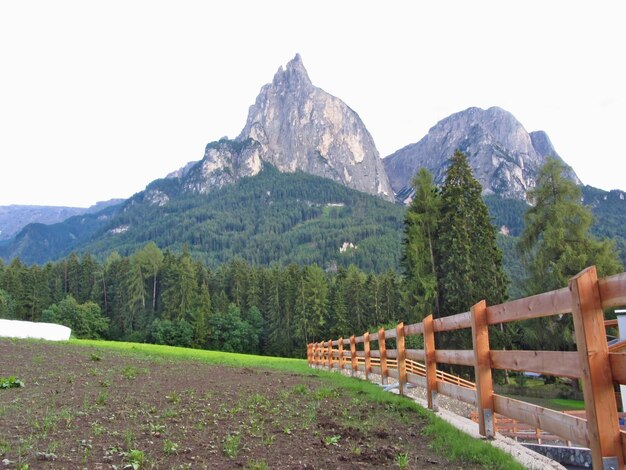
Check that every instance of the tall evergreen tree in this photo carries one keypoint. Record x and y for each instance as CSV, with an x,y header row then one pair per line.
x,y
469,263
418,260
311,304
150,259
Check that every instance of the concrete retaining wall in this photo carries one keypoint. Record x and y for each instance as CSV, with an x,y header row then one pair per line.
x,y
578,456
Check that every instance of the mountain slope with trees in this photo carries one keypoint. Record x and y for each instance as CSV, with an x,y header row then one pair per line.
x,y
271,217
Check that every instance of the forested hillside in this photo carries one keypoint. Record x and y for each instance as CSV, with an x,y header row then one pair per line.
x,y
271,217
277,218
168,298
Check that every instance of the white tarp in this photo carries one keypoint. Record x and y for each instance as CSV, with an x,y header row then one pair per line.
x,y
27,329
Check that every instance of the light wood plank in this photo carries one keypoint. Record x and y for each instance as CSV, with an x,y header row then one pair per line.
x,y
368,363
466,395
613,291
430,360
401,356
416,354
482,367
452,322
618,367
353,356
341,353
459,357
571,428
557,363
392,353
414,329
541,305
597,379
390,334
382,350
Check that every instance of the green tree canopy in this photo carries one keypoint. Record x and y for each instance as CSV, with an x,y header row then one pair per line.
x,y
556,242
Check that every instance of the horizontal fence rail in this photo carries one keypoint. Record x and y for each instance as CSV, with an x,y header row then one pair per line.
x,y
598,367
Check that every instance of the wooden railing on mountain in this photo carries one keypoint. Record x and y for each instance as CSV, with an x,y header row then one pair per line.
x,y
597,367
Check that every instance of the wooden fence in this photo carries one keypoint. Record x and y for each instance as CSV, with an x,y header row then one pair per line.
x,y
597,367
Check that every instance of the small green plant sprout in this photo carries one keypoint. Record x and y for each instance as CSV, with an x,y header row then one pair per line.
x,y
300,389
231,445
105,383
97,429
129,372
129,438
102,398
287,430
173,397
257,465
156,429
402,460
170,447
10,382
134,459
332,440
96,357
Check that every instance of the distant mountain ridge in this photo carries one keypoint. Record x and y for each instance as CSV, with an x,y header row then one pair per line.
x,y
15,217
503,156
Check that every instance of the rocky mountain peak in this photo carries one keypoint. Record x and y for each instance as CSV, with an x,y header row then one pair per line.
x,y
296,126
294,75
504,157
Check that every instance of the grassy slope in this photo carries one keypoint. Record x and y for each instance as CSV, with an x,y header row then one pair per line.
x,y
445,438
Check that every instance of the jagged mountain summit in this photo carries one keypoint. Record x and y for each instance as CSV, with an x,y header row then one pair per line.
x,y
295,126
504,157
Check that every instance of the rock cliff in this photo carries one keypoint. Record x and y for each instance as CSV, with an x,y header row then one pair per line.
x,y
295,126
502,154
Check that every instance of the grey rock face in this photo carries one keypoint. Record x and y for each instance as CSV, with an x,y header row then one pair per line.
x,y
224,163
502,155
296,126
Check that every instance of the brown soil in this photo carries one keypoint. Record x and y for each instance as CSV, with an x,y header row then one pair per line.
x,y
89,408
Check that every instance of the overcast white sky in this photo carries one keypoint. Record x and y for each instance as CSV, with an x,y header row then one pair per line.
x,y
97,99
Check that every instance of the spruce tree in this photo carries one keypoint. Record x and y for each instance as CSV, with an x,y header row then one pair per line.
x,y
418,258
468,261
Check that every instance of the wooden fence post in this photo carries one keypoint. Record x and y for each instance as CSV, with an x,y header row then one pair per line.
x,y
319,353
315,354
368,361
431,364
482,368
309,352
382,349
353,354
330,354
597,378
340,354
400,346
